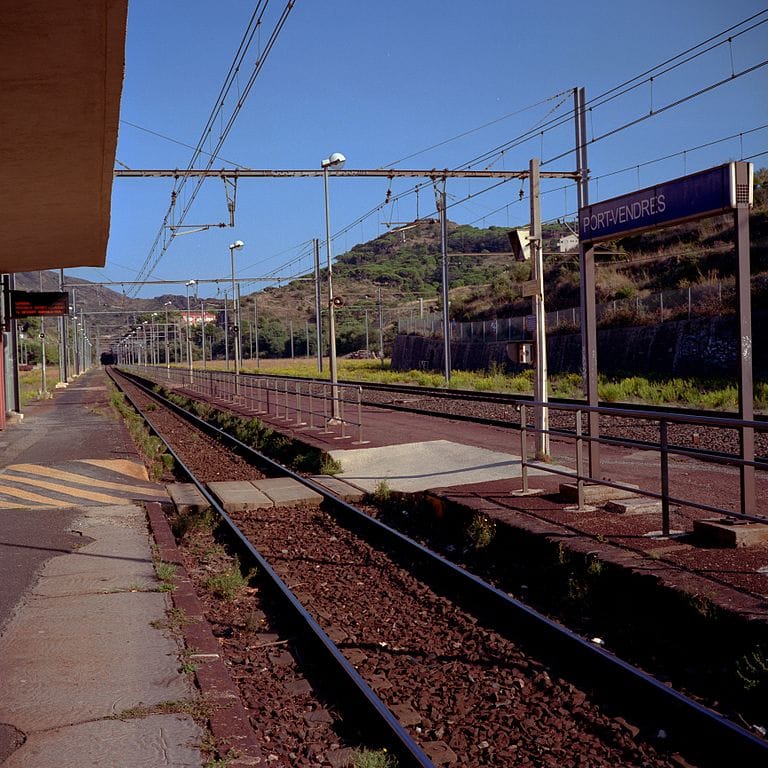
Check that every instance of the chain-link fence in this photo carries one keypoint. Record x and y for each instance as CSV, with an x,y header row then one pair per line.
x,y
676,304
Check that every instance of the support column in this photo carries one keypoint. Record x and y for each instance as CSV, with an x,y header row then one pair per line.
x,y
587,287
746,393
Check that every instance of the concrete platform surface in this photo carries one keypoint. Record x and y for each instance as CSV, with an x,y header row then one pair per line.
x,y
722,532
187,497
80,646
338,487
239,495
158,740
83,647
420,466
285,491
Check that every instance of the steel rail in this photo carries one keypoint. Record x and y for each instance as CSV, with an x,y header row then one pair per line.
x,y
387,725
707,735
637,409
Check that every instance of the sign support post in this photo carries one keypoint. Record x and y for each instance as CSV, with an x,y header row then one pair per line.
x,y
715,191
744,311
542,412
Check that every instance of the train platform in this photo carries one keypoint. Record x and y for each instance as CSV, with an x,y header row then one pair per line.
x,y
476,468
87,674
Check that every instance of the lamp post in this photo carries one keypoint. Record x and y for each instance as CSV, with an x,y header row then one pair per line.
x,y
237,245
167,357
202,328
155,341
336,160
189,284
44,383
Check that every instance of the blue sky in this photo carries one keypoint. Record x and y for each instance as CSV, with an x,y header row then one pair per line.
x,y
381,81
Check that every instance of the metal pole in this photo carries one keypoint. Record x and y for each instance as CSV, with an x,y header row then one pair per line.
x,y
290,326
446,308
189,337
44,389
318,312
542,412
75,345
226,331
167,355
381,327
202,324
744,309
331,320
587,288
236,316
256,326
63,366
367,346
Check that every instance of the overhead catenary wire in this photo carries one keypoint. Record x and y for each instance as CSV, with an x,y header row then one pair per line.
x,y
618,90
160,244
622,88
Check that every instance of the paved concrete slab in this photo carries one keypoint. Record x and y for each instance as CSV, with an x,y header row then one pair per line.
x,y
339,487
239,496
634,505
432,464
724,532
119,561
84,657
285,491
187,497
158,740
593,493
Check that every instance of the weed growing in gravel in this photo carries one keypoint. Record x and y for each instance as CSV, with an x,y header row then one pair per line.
x,y
165,572
480,531
329,465
193,521
199,709
382,493
150,447
227,584
176,619
752,670
379,758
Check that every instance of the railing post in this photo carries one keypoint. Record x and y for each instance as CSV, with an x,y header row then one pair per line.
x,y
311,408
299,421
360,440
524,447
579,462
325,409
664,444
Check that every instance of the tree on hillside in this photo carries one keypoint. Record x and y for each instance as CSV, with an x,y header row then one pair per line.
x,y
761,188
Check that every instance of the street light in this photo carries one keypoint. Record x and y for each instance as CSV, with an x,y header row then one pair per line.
x,y
167,357
189,284
237,245
336,160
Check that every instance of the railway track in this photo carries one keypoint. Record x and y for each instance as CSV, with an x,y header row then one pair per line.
x,y
439,663
499,409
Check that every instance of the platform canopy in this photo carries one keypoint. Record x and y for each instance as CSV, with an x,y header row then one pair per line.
x,y
61,78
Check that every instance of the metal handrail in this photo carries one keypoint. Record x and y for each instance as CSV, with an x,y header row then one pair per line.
x,y
276,396
663,447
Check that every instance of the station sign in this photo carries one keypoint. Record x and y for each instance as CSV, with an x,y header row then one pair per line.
x,y
705,193
38,304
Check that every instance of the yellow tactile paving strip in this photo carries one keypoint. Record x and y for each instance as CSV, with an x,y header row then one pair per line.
x,y
24,484
121,466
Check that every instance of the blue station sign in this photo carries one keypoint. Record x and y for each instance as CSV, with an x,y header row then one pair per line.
x,y
700,194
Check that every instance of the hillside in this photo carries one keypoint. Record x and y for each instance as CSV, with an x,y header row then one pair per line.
x,y
400,272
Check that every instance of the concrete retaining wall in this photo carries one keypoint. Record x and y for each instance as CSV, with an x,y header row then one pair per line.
x,y
700,347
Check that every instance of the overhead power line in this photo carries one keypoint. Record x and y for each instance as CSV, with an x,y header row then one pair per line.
x,y
161,243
